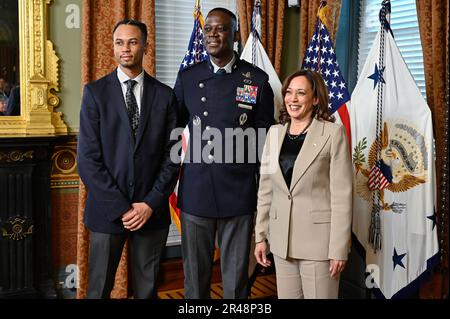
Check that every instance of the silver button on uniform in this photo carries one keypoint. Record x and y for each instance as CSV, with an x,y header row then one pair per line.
x,y
205,113
203,99
201,85
208,128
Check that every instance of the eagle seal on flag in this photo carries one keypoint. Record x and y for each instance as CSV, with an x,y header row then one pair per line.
x,y
402,166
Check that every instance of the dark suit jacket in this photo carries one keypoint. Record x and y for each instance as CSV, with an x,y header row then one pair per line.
x,y
117,170
225,187
13,106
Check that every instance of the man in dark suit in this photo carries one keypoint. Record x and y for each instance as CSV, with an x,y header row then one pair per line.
x,y
3,97
224,101
124,159
13,105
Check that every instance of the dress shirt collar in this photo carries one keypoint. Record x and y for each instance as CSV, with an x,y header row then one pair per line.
x,y
123,77
228,68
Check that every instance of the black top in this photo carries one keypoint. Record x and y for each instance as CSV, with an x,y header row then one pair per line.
x,y
292,145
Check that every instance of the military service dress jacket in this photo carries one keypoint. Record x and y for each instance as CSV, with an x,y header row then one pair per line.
x,y
223,114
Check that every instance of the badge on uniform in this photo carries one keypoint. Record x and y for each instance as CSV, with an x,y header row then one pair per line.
x,y
243,118
248,77
245,106
196,121
247,94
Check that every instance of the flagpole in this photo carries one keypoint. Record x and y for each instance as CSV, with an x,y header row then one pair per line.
x,y
196,8
197,11
375,224
254,31
322,6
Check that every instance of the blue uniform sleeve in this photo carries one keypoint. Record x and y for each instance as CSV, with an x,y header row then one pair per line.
x,y
183,115
264,112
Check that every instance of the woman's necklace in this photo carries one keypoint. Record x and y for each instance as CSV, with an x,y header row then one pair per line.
x,y
294,137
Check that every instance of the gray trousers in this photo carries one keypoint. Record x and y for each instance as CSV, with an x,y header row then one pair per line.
x,y
198,236
146,247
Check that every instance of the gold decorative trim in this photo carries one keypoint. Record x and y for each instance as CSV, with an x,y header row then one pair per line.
x,y
64,167
17,228
15,156
64,162
39,76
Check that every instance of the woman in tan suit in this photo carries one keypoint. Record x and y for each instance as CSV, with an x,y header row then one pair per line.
x,y
305,193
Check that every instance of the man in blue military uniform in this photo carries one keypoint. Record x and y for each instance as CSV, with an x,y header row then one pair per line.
x,y
218,183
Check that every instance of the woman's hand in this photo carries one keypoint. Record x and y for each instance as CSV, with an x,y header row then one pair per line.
x,y
336,267
261,254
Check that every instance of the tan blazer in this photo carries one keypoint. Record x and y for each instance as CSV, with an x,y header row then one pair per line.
x,y
312,219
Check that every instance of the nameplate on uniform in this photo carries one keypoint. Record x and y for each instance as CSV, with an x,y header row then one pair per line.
x,y
247,94
245,106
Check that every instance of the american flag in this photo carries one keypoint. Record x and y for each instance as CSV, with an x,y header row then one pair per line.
x,y
377,180
321,57
196,53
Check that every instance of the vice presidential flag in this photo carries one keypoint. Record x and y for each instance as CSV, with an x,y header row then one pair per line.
x,y
320,56
392,136
254,53
195,53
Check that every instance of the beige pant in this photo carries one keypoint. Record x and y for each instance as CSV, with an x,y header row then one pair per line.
x,y
305,279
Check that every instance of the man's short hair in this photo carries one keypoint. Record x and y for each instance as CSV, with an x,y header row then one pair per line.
x,y
228,13
136,23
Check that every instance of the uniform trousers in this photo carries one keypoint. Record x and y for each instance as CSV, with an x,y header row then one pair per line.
x,y
198,236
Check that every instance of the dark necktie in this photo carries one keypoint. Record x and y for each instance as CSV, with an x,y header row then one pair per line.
x,y
132,107
221,71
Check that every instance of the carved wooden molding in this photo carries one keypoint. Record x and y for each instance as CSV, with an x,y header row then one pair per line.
x,y
16,228
15,156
